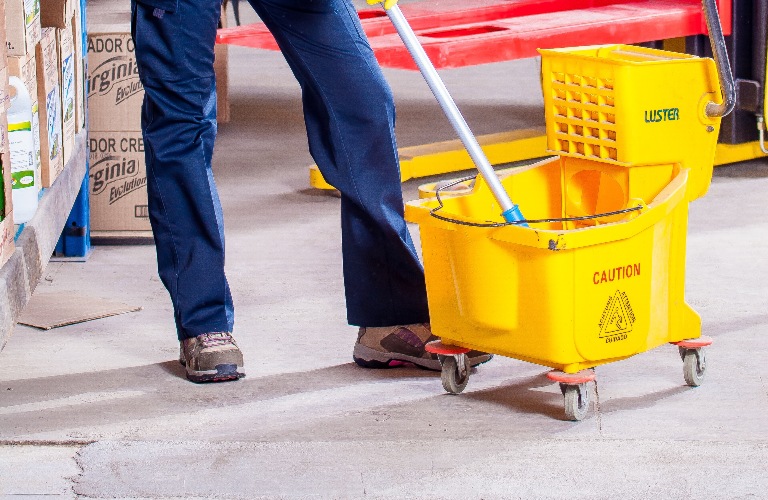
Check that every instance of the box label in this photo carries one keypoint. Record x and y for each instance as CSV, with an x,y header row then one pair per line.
x,y
118,181
22,26
118,76
54,123
22,154
118,174
68,88
31,10
36,139
49,99
113,87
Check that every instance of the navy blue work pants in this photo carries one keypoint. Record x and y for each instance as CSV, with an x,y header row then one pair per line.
x,y
349,115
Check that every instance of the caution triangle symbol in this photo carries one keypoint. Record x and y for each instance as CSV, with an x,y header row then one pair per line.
x,y
617,320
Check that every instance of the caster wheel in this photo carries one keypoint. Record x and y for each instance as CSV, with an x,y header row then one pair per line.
x,y
576,401
454,377
694,367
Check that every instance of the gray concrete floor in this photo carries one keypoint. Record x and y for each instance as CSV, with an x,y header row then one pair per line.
x,y
102,409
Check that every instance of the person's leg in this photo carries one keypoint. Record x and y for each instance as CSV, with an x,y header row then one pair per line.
x,y
174,53
349,114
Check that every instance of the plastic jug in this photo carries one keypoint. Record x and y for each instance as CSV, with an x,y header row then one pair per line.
x,y
21,145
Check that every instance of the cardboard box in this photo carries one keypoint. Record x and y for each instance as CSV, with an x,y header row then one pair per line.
x,y
118,195
5,96
56,13
66,57
25,67
49,99
80,96
7,230
3,36
115,93
4,128
118,180
221,68
22,22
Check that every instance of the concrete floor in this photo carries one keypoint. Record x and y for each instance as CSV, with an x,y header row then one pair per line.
x,y
102,409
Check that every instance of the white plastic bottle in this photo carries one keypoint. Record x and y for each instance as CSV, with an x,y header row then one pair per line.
x,y
21,145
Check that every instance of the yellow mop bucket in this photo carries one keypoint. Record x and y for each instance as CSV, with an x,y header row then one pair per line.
x,y
598,273
583,289
565,294
588,265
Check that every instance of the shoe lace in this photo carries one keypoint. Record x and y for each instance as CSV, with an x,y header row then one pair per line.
x,y
215,339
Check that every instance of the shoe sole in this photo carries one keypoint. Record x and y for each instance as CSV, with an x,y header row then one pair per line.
x,y
222,373
371,358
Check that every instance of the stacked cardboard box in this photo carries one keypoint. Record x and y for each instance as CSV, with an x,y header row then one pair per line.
x,y
6,203
7,231
33,56
5,100
79,44
60,17
22,21
67,17
117,168
49,99
57,13
41,43
66,73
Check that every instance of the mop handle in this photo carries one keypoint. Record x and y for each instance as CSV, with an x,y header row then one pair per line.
x,y
511,212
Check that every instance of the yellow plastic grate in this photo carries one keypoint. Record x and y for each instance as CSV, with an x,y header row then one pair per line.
x,y
584,115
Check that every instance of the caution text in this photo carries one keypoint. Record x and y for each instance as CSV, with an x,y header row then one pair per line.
x,y
616,273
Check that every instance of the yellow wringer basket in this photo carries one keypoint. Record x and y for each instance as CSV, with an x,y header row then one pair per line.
x,y
632,106
599,274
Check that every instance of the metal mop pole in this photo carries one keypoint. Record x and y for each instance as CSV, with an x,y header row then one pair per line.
x,y
511,212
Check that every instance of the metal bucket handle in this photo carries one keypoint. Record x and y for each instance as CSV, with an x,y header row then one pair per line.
x,y
720,53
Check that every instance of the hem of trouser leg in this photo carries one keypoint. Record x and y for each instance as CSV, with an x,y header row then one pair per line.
x,y
385,324
192,334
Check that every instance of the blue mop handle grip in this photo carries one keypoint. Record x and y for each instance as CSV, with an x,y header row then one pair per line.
x,y
514,215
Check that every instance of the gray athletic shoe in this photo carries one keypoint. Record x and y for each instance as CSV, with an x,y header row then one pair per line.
x,y
212,357
387,347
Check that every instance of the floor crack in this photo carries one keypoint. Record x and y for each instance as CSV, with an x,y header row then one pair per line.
x,y
47,442
73,480
598,411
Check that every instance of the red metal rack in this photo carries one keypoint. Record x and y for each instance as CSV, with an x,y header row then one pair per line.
x,y
456,33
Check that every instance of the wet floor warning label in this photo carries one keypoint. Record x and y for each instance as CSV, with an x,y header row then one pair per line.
x,y
617,319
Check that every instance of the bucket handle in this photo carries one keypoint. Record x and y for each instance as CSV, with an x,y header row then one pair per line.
x,y
720,53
